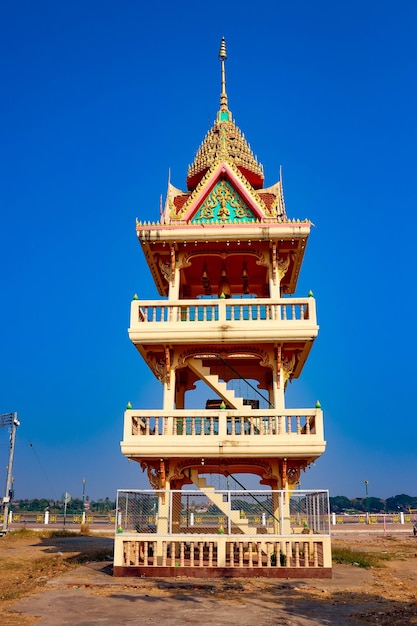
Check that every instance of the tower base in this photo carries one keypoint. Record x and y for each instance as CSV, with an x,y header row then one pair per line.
x,y
222,572
223,534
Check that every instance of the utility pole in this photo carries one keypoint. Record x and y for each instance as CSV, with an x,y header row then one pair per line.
x,y
9,420
368,521
83,516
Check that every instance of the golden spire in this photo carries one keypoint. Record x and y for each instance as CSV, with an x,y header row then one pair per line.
x,y
225,142
222,58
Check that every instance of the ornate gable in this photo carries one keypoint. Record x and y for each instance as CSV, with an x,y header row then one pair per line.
x,y
223,204
224,182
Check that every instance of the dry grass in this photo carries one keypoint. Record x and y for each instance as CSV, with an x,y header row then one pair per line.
x,y
360,558
25,566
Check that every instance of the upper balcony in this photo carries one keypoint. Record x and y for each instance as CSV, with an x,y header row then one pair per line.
x,y
225,320
229,433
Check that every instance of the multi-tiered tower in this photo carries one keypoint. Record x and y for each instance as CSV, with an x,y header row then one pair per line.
x,y
225,259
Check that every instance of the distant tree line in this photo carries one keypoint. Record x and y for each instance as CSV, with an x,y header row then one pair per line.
x,y
338,504
75,505
395,504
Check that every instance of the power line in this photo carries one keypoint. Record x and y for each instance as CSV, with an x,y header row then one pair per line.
x,y
45,474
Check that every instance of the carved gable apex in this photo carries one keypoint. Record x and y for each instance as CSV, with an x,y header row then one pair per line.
x,y
223,204
222,196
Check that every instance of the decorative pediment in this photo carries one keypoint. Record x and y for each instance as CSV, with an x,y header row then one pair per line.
x,y
223,204
223,196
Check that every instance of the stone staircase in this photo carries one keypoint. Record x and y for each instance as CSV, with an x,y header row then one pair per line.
x,y
242,524
218,386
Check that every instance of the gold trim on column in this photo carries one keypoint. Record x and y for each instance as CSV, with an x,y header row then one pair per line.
x,y
173,263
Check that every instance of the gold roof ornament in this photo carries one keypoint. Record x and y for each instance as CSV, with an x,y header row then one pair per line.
x,y
222,58
225,142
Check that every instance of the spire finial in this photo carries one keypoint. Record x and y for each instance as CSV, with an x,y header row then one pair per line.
x,y
222,58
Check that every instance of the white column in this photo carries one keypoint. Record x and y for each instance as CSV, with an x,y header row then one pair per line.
x,y
277,391
174,289
169,391
274,290
174,285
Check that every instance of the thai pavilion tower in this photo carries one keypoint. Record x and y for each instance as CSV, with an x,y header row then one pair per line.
x,y
225,258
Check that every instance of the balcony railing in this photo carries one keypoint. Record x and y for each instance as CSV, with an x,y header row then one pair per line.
x,y
252,556
264,309
263,422
184,316
207,431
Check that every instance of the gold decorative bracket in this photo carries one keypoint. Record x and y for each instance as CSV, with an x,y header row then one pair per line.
x,y
173,263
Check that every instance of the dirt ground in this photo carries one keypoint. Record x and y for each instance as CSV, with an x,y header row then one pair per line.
x,y
67,580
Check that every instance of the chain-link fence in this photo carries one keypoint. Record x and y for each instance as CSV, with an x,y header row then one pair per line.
x,y
223,511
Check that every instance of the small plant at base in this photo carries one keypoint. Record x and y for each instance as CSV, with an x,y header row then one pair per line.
x,y
360,559
282,559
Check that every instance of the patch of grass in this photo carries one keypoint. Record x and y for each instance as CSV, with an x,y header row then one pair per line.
x,y
28,559
23,577
360,559
21,532
9,565
26,532
91,555
58,533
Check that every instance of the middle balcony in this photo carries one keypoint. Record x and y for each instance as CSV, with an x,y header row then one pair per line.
x,y
288,433
223,320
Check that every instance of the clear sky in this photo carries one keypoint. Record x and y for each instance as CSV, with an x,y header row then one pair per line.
x,y
99,100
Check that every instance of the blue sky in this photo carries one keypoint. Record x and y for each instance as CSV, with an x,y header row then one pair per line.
x,y
99,100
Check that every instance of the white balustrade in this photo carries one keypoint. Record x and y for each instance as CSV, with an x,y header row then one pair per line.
x,y
250,553
208,423
219,310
